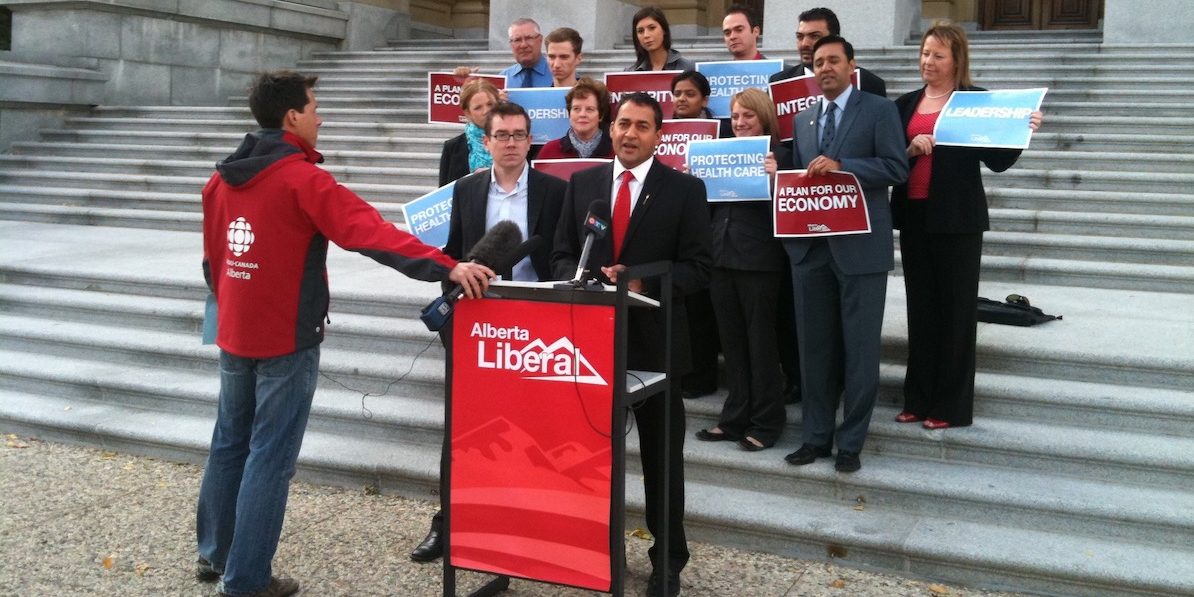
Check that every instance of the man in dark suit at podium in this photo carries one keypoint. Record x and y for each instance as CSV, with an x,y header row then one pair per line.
x,y
510,190
658,214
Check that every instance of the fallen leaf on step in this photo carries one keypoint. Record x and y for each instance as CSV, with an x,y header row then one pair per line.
x,y
109,561
939,589
13,442
641,533
141,568
838,584
67,408
106,455
859,507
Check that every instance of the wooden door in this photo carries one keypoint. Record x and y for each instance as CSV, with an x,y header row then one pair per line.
x,y
1040,14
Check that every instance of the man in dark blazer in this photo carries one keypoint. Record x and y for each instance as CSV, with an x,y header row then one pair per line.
x,y
659,215
814,24
840,282
510,190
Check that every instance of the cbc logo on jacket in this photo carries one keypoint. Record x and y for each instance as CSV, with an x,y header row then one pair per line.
x,y
240,236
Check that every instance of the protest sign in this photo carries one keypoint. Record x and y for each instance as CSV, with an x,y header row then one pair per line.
x,y
675,136
731,168
792,96
547,109
564,168
429,216
828,205
988,118
443,95
731,76
657,84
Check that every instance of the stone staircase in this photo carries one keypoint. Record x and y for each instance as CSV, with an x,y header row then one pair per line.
x,y
1076,478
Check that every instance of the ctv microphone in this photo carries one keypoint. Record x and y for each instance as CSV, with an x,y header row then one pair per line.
x,y
596,225
493,251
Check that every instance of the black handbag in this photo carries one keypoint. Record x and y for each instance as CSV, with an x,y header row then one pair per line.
x,y
1016,310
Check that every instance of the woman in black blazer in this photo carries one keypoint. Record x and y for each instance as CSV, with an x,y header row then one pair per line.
x,y
941,213
749,269
466,153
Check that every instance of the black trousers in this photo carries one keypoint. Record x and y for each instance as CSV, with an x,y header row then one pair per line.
x,y
746,304
649,419
941,282
789,351
703,342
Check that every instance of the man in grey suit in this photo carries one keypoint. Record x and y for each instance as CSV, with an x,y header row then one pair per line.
x,y
840,282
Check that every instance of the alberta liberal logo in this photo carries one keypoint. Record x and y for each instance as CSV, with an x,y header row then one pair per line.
x,y
511,349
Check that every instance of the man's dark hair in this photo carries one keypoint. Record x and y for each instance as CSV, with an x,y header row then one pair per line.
x,y
835,39
275,93
639,98
506,109
823,14
752,17
565,34
698,80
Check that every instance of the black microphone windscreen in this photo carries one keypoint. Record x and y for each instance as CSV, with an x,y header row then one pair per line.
x,y
522,251
497,242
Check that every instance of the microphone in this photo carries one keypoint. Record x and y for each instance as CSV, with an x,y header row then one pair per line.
x,y
493,250
596,225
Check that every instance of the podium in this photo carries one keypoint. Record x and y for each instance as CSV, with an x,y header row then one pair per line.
x,y
533,479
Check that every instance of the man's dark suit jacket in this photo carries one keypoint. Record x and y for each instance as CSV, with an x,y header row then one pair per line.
x,y
670,222
470,197
957,202
870,145
453,162
869,82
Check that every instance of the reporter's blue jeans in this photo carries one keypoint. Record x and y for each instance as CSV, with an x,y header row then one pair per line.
x,y
264,404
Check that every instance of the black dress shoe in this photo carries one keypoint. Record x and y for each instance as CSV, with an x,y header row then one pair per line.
x,y
750,446
655,588
431,549
847,462
713,436
807,454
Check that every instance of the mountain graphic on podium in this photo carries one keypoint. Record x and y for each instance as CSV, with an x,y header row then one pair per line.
x,y
568,466
563,350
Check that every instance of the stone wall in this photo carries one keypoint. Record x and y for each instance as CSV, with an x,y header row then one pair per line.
x,y
178,52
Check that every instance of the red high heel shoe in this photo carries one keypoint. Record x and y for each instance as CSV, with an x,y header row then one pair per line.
x,y
906,417
932,423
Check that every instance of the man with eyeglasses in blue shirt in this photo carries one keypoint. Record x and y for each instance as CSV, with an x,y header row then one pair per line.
x,y
510,190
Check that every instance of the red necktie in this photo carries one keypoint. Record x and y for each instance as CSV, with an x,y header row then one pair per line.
x,y
622,212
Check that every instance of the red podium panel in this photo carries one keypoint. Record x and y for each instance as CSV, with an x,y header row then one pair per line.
x,y
530,483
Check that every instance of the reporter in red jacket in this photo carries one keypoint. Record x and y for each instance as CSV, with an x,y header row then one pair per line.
x,y
268,214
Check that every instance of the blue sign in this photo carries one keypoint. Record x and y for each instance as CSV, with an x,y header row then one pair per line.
x,y
731,168
548,111
430,215
988,118
728,77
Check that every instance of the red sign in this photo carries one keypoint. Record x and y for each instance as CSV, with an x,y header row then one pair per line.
x,y
675,135
657,84
827,205
792,96
532,393
443,95
564,168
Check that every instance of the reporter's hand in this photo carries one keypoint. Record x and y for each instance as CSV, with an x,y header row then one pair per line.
x,y
472,277
465,71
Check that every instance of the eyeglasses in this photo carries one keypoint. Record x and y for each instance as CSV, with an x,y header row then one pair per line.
x,y
503,136
527,38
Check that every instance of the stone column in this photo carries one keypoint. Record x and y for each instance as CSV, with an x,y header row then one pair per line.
x,y
1154,22
601,23
864,24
